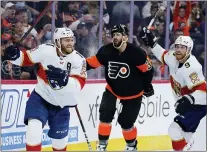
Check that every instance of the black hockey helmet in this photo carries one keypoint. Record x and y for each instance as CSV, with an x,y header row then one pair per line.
x,y
120,29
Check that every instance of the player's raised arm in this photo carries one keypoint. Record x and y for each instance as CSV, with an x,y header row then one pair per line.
x,y
24,58
150,39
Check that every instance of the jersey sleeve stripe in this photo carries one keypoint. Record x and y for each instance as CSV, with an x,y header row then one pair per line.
x,y
93,62
201,87
143,67
162,58
41,73
125,97
81,80
26,61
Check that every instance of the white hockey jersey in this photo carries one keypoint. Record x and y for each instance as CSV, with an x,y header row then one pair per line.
x,y
46,54
188,79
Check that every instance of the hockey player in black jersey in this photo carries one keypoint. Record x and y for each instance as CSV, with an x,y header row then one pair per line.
x,y
128,73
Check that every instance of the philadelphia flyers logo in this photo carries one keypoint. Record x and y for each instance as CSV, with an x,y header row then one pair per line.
x,y
118,69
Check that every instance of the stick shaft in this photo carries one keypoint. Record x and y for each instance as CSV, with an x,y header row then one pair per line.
x,y
36,21
83,128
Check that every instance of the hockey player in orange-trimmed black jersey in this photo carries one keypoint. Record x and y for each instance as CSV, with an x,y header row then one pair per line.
x,y
128,74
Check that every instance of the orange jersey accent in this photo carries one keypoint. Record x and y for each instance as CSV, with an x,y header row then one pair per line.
x,y
93,62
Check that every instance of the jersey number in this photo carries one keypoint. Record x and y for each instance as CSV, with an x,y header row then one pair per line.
x,y
187,65
68,67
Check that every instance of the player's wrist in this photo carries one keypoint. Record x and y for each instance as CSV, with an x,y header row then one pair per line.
x,y
153,41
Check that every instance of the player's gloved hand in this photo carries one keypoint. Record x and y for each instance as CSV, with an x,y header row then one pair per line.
x,y
57,77
185,104
149,91
11,53
148,37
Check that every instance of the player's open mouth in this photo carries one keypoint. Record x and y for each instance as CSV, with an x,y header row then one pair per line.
x,y
178,54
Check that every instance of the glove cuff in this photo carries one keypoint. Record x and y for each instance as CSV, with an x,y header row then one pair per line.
x,y
190,98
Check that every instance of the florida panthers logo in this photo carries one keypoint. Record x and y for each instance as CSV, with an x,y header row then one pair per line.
x,y
176,86
117,69
54,85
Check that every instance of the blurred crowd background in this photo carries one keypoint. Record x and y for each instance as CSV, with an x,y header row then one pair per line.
x,y
91,22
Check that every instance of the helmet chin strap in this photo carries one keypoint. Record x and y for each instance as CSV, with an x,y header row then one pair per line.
x,y
121,43
59,48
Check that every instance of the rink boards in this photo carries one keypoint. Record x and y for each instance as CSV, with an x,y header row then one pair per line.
x,y
156,114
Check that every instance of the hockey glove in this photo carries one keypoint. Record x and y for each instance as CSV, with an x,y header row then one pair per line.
x,y
185,104
57,77
11,53
148,37
149,92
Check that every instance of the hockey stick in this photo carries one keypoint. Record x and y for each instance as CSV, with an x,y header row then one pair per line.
x,y
83,128
119,107
153,19
36,21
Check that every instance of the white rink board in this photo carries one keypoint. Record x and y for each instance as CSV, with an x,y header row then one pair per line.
x,y
156,114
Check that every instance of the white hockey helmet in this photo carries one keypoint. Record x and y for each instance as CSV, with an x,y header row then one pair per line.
x,y
62,33
186,41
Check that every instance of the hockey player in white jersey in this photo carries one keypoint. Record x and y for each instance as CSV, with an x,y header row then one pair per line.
x,y
61,75
188,86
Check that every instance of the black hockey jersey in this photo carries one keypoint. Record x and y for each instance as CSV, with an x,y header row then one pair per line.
x,y
127,74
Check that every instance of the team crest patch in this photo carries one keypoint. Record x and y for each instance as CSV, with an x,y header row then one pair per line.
x,y
194,78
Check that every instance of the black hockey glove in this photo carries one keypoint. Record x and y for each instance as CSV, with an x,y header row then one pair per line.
x,y
185,104
148,37
149,91
57,77
11,53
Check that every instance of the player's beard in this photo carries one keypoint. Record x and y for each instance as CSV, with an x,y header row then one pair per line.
x,y
67,50
117,43
182,57
179,56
